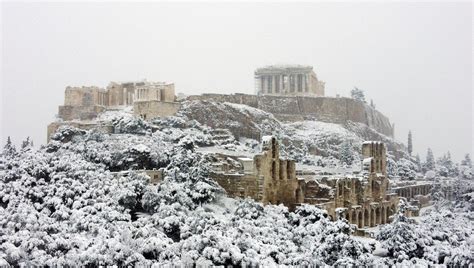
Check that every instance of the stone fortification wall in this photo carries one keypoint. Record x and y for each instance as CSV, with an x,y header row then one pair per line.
x,y
152,109
79,112
240,185
295,108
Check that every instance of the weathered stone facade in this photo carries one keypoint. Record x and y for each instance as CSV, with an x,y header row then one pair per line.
x,y
298,108
270,180
365,200
82,105
85,103
154,108
288,80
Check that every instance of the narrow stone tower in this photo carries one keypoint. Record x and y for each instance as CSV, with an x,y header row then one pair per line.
x,y
375,158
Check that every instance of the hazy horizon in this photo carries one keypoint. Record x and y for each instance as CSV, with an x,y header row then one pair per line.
x,y
413,59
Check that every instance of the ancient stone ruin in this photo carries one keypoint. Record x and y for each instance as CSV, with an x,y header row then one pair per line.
x,y
82,105
366,200
85,103
288,80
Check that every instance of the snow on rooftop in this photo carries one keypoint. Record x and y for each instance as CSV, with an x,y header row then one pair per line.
x,y
283,66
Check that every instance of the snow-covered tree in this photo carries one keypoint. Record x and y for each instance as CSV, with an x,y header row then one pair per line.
x,y
131,125
406,169
26,144
467,161
445,166
358,94
392,167
430,161
9,149
346,153
402,237
418,162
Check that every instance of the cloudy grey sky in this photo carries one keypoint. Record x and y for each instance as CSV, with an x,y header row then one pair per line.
x,y
413,59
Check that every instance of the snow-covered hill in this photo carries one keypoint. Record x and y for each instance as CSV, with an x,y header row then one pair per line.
x,y
84,200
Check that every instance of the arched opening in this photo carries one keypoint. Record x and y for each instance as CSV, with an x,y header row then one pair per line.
x,y
383,219
359,219
354,219
366,218
298,196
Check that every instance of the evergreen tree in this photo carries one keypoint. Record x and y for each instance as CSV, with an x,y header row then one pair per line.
x,y
430,161
446,167
449,162
358,94
346,154
467,161
392,167
418,162
9,149
410,144
401,238
26,144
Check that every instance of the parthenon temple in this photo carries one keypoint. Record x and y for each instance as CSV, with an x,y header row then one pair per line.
x,y
288,80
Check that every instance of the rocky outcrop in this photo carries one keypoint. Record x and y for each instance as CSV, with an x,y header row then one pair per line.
x,y
298,108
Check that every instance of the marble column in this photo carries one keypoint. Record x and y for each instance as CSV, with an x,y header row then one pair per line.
x,y
305,83
273,83
281,83
291,85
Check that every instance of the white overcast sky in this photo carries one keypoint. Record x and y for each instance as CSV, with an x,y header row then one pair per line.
x,y
413,59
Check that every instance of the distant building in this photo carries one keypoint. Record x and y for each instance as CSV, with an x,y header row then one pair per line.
x,y
288,80
85,103
82,105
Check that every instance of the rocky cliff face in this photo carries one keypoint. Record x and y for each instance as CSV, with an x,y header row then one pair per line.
x,y
315,136
297,108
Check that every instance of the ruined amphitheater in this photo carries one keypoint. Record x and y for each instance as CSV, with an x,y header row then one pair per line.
x,y
291,93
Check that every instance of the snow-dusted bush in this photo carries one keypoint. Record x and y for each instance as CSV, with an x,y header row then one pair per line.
x,y
130,125
66,133
444,236
82,200
61,208
406,169
402,237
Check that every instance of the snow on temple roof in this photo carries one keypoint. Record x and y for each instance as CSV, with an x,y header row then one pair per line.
x,y
283,68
